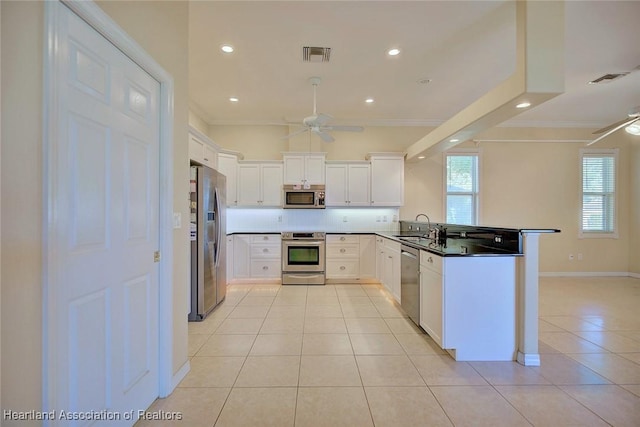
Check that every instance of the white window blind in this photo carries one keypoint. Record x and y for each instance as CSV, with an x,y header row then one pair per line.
x,y
462,188
598,192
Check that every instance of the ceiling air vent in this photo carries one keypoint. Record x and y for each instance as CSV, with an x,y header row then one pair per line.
x,y
316,54
607,78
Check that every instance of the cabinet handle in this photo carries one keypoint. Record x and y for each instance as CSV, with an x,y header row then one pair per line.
x,y
265,250
265,237
342,250
430,260
265,267
342,238
342,267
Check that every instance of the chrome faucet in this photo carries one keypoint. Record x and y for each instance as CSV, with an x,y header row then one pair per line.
x,y
428,233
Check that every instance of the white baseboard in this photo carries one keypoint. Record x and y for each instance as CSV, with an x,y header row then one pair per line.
x,y
589,274
179,376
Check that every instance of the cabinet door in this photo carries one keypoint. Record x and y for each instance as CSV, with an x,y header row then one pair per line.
x,y
380,260
336,185
271,178
387,181
249,185
228,165
359,188
210,157
196,149
367,256
293,169
395,275
242,257
431,303
230,258
314,170
388,272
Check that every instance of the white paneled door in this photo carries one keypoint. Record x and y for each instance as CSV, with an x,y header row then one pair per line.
x,y
105,228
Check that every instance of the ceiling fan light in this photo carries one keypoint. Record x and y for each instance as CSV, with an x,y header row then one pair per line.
x,y
633,129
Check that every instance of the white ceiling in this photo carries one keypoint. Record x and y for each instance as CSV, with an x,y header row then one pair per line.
x,y
466,48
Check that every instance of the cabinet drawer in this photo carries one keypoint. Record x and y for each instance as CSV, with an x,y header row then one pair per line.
x,y
265,268
343,251
342,238
431,261
343,268
265,251
265,238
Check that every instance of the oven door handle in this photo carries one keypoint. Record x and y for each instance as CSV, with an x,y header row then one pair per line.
x,y
302,242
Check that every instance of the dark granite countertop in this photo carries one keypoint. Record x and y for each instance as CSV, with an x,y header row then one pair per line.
x,y
453,247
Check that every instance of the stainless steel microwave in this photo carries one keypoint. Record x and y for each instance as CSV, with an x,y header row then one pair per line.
x,y
298,197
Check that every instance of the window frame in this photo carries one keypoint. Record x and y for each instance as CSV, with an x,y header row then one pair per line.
x,y
599,152
476,197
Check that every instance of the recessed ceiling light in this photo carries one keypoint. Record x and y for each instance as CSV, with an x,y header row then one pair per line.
x,y
393,52
454,140
226,48
524,104
633,129
421,157
369,100
233,99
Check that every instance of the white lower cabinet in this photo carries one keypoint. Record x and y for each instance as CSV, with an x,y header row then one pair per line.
x,y
431,284
367,257
388,265
230,258
342,256
257,256
468,305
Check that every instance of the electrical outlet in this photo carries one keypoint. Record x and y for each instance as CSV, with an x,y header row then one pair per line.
x,y
344,219
395,218
378,218
177,220
384,218
497,239
579,257
570,257
279,218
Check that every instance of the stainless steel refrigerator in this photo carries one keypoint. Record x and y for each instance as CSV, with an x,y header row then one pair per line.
x,y
208,240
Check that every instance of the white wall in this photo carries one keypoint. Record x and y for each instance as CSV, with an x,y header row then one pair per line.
x,y
22,36
634,216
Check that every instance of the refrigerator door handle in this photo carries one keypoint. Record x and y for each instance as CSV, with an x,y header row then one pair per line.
x,y
218,226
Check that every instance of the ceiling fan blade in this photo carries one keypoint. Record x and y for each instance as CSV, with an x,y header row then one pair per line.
x,y
616,125
298,132
622,124
324,136
346,128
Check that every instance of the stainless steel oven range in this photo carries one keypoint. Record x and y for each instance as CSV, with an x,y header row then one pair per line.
x,y
303,255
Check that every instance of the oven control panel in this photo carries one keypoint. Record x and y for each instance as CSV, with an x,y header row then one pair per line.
x,y
301,235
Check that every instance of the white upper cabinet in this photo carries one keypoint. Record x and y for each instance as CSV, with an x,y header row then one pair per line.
x,y
348,184
228,166
201,149
304,168
260,184
387,179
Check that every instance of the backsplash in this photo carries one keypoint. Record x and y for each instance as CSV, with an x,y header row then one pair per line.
x,y
329,220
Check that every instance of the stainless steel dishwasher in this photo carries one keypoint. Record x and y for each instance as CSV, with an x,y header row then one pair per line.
x,y
410,282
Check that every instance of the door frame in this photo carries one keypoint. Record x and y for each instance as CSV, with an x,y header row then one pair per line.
x,y
104,25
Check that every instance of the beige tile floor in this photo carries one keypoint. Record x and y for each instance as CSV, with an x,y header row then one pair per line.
x,y
346,355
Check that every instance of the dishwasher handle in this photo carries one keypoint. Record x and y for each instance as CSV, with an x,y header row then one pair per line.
x,y
408,254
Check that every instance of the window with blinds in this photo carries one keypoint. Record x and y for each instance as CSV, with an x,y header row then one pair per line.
x,y
461,204
598,214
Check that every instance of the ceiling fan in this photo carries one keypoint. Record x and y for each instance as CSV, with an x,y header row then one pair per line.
x,y
628,124
317,123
